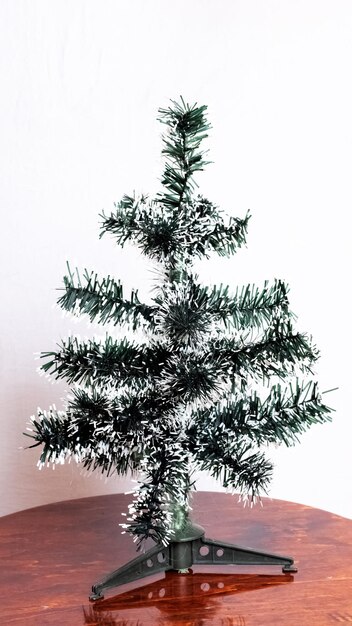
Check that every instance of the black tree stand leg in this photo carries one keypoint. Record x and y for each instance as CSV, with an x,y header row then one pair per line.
x,y
190,547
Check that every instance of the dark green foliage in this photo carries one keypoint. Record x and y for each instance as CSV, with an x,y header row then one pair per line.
x,y
187,127
102,301
192,231
276,353
282,416
213,374
110,361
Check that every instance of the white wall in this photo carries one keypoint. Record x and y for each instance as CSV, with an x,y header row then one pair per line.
x,y
81,83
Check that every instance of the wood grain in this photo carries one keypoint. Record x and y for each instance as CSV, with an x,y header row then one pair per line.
x,y
51,555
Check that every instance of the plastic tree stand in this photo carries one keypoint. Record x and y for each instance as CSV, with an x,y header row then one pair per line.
x,y
188,547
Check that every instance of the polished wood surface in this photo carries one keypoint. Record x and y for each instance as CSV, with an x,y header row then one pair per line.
x,y
51,555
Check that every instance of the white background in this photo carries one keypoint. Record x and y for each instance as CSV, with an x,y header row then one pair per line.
x,y
81,83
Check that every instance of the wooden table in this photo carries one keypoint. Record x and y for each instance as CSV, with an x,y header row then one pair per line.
x,y
51,555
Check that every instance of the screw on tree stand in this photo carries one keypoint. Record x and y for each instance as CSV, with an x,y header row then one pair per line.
x,y
213,375
186,548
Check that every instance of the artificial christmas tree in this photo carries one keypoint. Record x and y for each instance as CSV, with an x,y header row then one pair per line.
x,y
214,377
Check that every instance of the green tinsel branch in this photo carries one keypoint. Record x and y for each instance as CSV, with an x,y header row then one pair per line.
x,y
103,301
232,461
282,416
186,312
112,361
186,129
277,354
191,232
